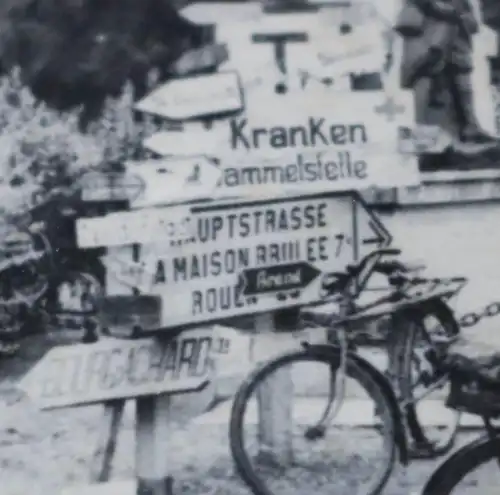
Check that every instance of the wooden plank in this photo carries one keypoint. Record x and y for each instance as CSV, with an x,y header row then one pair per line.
x,y
102,459
152,452
274,398
116,369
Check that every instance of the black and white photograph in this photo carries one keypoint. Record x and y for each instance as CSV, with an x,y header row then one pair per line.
x,y
249,247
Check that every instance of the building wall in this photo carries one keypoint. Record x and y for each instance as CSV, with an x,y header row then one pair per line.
x,y
453,240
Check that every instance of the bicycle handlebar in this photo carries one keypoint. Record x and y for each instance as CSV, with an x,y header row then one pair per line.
x,y
341,280
354,270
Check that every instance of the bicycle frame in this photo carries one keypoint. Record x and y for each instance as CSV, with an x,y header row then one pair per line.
x,y
396,304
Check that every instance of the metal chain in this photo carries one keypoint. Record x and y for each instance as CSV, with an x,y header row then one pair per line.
x,y
473,318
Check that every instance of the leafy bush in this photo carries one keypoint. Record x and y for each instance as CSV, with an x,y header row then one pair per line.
x,y
43,150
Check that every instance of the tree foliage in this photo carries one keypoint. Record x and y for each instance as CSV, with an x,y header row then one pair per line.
x,y
78,52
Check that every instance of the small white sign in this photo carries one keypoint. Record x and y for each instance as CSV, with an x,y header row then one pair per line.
x,y
196,96
120,369
138,226
172,180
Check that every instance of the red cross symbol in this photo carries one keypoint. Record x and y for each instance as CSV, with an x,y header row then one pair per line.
x,y
390,108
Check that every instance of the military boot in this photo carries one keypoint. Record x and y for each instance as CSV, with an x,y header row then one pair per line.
x,y
472,137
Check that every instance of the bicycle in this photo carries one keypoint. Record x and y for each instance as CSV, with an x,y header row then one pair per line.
x,y
476,390
393,413
409,307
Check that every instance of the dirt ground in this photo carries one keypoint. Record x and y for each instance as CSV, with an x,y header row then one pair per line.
x,y
42,452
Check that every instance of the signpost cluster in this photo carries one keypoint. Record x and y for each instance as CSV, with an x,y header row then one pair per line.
x,y
278,169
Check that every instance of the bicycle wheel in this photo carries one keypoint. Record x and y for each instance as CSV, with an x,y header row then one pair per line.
x,y
344,458
432,426
472,470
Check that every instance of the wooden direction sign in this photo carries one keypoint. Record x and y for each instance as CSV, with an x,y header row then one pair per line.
x,y
276,278
198,275
171,180
198,96
110,186
118,369
299,142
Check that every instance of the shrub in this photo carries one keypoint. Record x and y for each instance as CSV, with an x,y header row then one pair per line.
x,y
43,150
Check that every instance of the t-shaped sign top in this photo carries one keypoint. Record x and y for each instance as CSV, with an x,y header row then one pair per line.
x,y
279,40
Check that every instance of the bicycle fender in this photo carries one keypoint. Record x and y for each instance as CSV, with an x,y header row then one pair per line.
x,y
387,390
454,463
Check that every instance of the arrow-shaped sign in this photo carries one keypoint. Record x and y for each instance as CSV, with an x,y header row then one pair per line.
x,y
120,369
379,234
172,180
199,96
369,234
276,278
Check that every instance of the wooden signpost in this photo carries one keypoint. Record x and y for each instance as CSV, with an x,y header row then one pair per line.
x,y
237,258
291,156
230,259
110,371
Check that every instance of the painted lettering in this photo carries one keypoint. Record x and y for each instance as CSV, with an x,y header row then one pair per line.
x,y
317,249
267,281
315,132
215,300
276,253
321,167
110,369
201,361
264,220
200,266
279,41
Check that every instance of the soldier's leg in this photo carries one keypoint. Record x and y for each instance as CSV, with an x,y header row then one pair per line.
x,y
472,136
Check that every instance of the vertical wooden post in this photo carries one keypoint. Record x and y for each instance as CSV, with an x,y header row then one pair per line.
x,y
152,449
274,399
106,446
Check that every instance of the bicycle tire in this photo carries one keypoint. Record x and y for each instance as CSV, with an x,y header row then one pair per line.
x,y
329,355
405,344
448,476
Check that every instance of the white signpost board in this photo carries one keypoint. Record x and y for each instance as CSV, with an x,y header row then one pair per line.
x,y
238,258
301,142
120,369
171,180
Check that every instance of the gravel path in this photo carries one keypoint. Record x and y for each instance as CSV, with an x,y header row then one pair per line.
x,y
42,452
